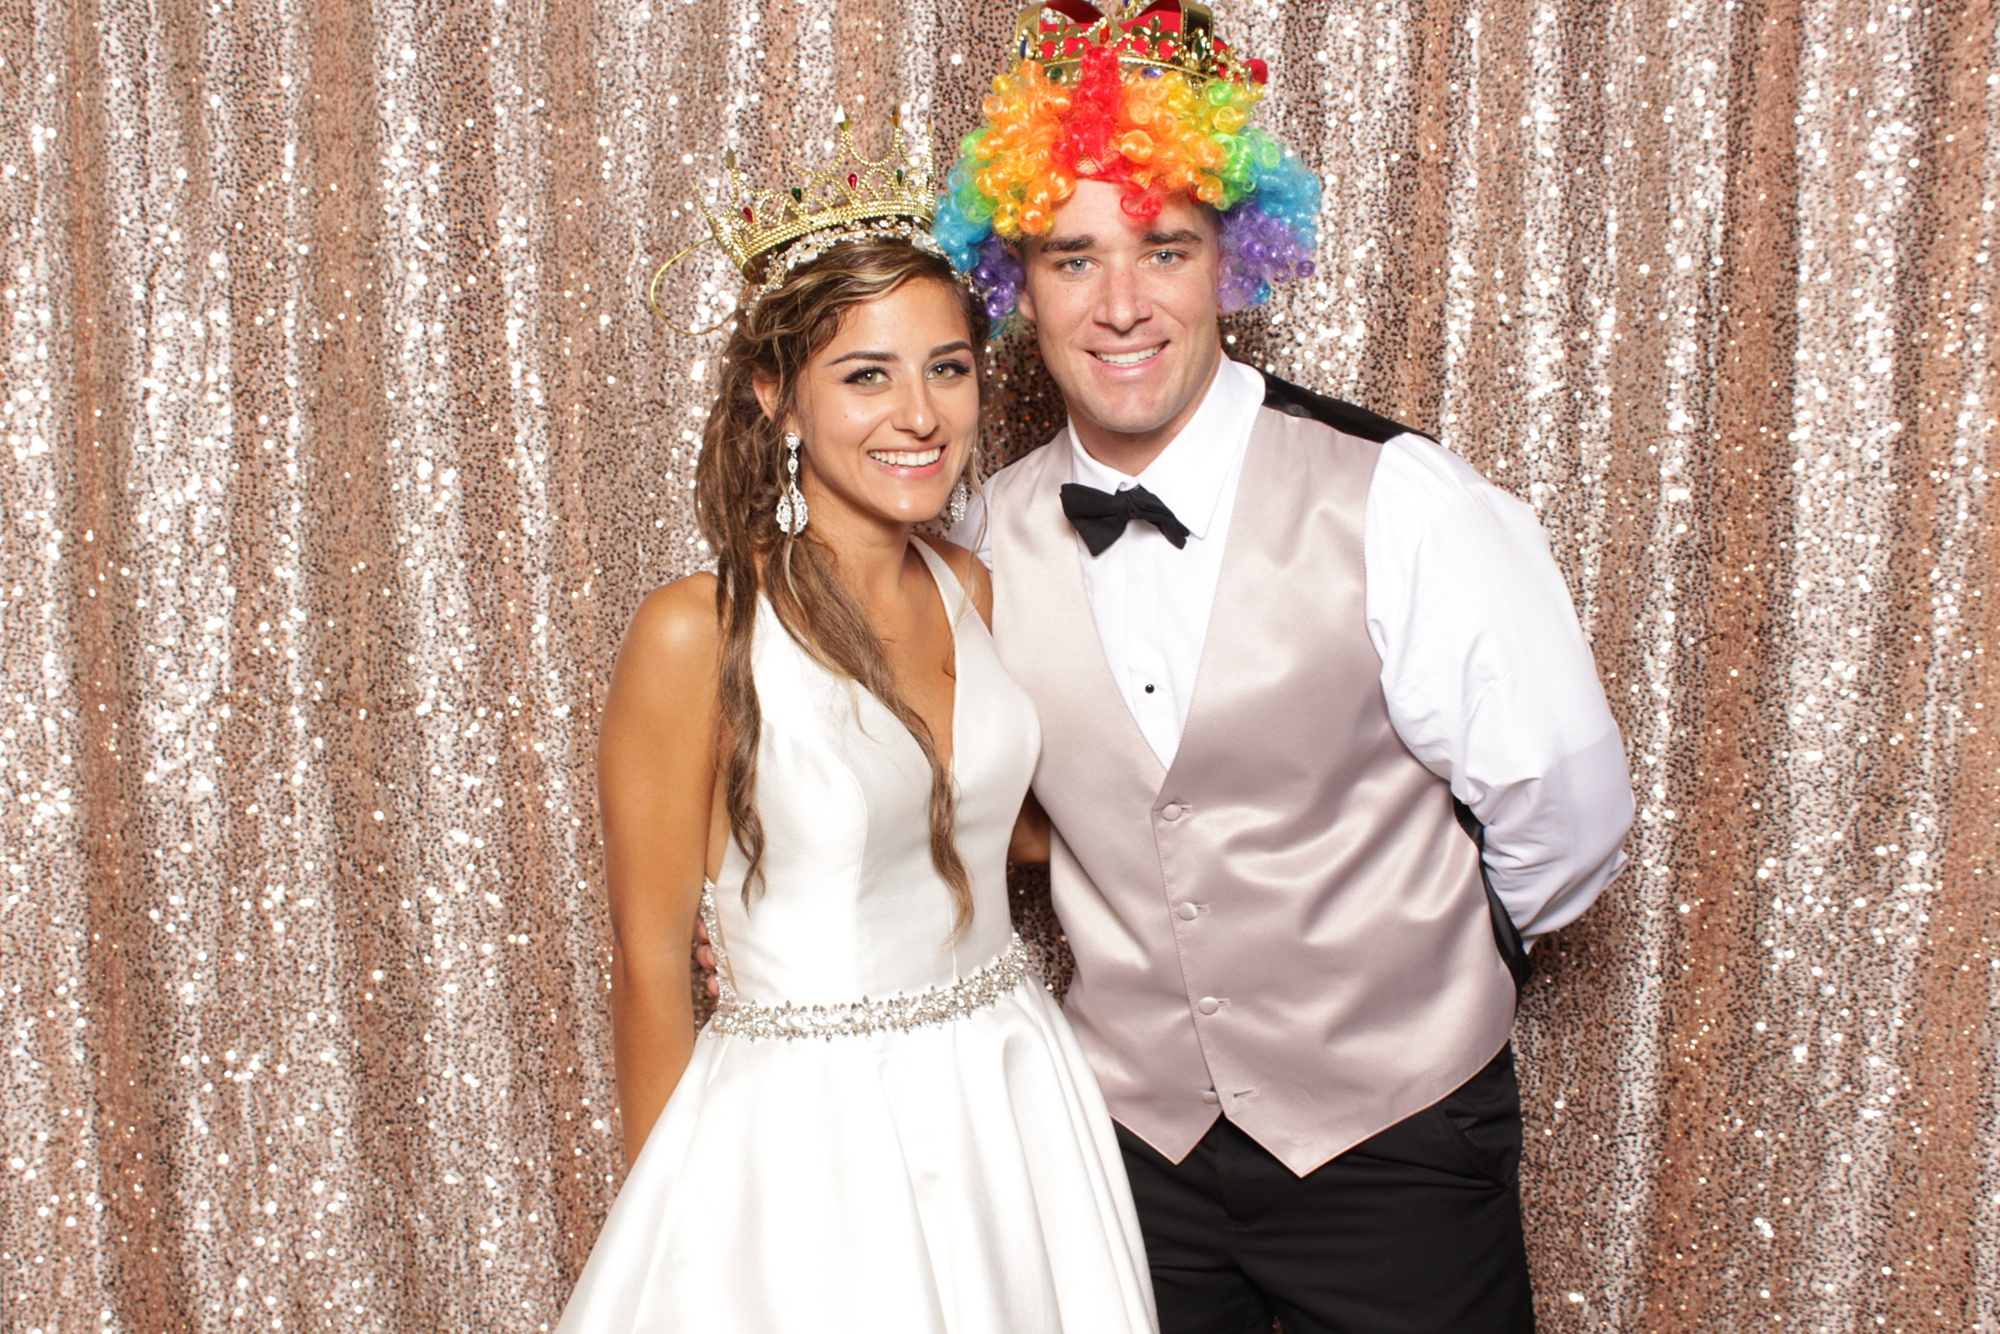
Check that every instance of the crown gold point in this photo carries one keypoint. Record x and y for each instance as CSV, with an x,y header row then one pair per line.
x,y
768,233
850,190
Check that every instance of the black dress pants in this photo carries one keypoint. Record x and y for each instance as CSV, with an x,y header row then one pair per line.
x,y
1414,1231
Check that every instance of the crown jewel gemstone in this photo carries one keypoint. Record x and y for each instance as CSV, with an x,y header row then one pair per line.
x,y
847,196
896,189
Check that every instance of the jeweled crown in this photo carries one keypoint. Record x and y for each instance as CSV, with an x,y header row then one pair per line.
x,y
850,190
1162,35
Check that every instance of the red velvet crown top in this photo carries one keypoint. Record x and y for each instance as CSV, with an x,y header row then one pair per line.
x,y
1165,34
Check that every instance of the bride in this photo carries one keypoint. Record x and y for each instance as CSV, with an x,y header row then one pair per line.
x,y
887,1124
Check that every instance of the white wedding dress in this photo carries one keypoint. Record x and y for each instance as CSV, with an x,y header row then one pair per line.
x,y
881,1130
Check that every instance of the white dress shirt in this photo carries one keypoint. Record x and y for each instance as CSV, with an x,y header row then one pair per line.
x,y
1485,670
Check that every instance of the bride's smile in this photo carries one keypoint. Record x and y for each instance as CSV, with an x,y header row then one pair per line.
x,y
888,410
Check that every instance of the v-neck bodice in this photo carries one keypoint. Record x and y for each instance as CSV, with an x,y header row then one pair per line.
x,y
851,905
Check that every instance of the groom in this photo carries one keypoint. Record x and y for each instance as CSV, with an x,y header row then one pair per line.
x,y
1324,749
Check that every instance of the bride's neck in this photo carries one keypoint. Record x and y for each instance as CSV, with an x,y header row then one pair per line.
x,y
870,558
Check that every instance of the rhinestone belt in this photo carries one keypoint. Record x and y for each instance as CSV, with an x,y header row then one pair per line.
x,y
978,989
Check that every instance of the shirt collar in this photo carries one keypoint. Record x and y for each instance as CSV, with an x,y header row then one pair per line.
x,y
1190,473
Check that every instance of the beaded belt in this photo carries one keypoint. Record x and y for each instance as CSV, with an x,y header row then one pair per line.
x,y
978,989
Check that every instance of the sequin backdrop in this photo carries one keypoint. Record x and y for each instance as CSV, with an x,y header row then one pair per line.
x,y
339,447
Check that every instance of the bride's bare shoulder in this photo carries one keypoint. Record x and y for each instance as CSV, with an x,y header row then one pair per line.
x,y
677,631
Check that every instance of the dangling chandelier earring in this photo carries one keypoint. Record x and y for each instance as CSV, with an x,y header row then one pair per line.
x,y
791,513
954,509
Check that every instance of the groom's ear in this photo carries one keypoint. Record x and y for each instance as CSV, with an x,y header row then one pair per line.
x,y
1023,303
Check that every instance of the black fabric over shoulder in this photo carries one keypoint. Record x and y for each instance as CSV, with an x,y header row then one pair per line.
x,y
1290,399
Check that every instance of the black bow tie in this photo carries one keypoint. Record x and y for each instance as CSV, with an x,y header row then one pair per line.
x,y
1099,517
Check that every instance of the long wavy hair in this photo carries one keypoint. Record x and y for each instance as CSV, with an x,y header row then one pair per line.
x,y
737,483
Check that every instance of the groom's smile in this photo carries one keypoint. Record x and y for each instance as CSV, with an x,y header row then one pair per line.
x,y
1139,358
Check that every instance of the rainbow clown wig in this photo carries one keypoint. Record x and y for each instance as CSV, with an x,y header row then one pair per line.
x,y
1148,99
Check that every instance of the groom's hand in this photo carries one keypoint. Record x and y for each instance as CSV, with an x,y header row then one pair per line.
x,y
704,958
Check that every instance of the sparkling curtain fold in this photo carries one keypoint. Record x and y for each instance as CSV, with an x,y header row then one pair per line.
x,y
340,446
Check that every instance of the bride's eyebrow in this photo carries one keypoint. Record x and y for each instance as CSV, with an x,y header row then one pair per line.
x,y
891,357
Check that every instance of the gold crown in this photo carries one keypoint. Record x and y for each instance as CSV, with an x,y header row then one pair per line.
x,y
850,198
1162,35
849,191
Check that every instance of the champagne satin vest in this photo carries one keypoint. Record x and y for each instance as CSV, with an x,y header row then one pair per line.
x,y
1288,927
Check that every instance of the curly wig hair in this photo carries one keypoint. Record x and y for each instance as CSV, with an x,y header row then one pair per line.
x,y
1155,131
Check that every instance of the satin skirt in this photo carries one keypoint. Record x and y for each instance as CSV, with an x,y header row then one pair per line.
x,y
956,1179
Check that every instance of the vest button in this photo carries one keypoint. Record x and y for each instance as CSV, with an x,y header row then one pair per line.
x,y
1172,811
1208,1005
1187,912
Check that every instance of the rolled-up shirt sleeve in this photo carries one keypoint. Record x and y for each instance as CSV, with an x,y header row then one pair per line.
x,y
1489,680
